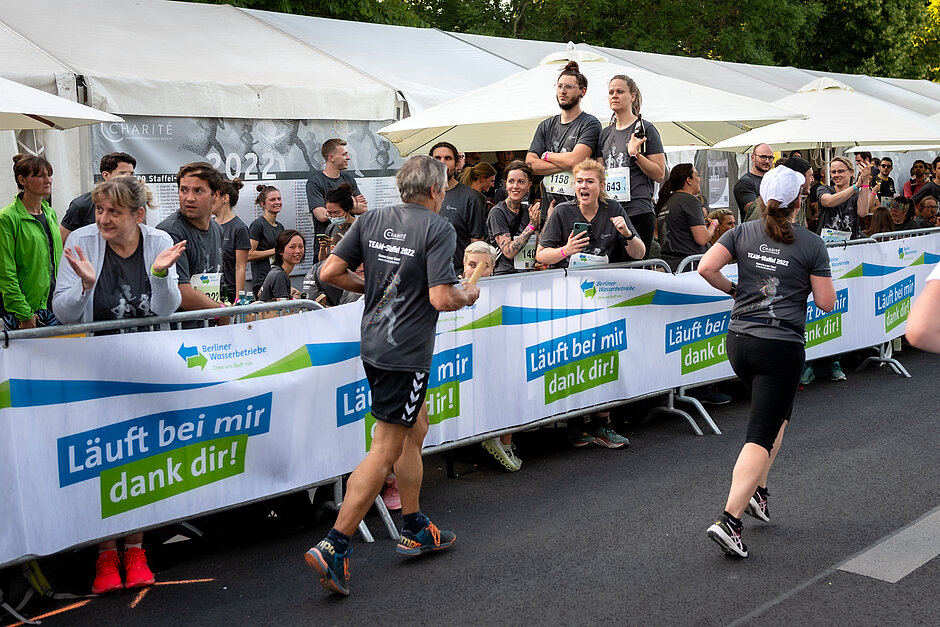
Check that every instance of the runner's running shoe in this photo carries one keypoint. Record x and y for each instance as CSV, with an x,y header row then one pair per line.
x,y
582,438
835,372
758,507
808,375
727,538
107,573
333,567
428,539
606,436
502,454
136,572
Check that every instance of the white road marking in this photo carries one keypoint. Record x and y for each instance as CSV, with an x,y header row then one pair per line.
x,y
899,555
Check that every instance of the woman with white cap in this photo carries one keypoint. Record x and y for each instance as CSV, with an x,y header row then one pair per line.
x,y
779,264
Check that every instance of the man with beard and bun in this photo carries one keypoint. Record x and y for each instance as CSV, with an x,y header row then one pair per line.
x,y
565,140
464,207
747,188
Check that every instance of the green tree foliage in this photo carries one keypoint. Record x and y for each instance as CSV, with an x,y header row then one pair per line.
x,y
376,11
927,43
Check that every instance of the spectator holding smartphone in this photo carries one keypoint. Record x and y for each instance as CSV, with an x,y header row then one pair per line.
x,y
513,222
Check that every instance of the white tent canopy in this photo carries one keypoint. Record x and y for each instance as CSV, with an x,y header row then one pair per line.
x,y
23,107
153,57
504,115
838,116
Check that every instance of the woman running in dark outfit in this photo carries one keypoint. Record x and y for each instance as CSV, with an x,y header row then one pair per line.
x,y
779,264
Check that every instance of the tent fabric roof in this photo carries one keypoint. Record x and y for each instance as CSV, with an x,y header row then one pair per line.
x,y
427,65
200,60
152,57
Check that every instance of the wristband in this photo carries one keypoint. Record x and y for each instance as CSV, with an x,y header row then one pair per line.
x,y
161,274
545,156
855,188
632,235
564,255
865,186
529,227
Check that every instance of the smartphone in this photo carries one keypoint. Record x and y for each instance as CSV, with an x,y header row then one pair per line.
x,y
581,227
323,237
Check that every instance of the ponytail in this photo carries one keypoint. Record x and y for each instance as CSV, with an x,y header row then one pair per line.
x,y
676,181
777,223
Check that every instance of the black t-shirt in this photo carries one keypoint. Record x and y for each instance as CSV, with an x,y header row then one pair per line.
x,y
234,237
317,187
123,288
613,150
501,220
465,208
203,248
553,136
406,249
930,188
746,190
842,217
884,188
676,219
81,212
276,285
605,239
262,231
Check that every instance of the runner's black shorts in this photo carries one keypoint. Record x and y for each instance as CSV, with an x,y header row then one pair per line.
x,y
397,395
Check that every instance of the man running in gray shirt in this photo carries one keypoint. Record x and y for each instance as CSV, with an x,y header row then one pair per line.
x,y
406,250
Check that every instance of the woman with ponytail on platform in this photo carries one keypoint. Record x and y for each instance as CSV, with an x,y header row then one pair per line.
x,y
779,265
633,153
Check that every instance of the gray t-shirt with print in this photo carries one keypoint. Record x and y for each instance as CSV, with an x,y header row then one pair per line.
x,y
203,248
842,217
613,150
406,249
604,238
553,136
318,185
773,278
266,235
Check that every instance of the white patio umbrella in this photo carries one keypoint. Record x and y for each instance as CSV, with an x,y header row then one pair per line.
x,y
505,114
838,116
24,108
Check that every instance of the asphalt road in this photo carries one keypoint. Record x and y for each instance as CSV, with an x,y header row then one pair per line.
x,y
583,536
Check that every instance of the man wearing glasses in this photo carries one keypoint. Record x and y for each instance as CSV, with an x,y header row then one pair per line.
x,y
748,186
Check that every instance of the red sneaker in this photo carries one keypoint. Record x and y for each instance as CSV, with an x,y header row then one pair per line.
x,y
137,574
107,573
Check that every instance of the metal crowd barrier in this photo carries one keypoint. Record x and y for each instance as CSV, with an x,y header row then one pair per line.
x,y
241,314
893,235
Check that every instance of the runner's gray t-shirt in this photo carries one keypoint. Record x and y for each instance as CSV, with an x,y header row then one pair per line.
x,y
465,208
262,231
773,278
406,249
604,237
317,187
613,150
842,217
203,248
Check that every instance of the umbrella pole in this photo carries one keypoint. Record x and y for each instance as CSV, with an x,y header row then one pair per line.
x,y
827,155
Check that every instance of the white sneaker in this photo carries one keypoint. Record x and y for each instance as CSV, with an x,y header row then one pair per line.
x,y
502,454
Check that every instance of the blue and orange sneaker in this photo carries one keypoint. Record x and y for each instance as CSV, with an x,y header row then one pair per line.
x,y
333,567
428,539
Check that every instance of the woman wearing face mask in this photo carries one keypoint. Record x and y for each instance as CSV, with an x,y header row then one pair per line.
x,y
289,249
263,232
512,224
339,205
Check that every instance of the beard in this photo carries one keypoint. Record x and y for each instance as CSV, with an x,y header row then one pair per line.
x,y
574,102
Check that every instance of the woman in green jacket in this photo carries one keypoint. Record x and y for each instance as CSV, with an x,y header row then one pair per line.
x,y
30,248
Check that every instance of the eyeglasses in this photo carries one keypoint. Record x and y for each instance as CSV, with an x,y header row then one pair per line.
x,y
765,157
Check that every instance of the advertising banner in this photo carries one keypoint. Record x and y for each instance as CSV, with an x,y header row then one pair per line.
x,y
103,435
282,153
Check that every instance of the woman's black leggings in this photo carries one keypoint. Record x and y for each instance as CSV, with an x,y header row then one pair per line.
x,y
644,224
771,370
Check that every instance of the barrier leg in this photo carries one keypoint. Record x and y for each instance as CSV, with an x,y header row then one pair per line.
x,y
885,357
386,518
681,396
670,408
337,502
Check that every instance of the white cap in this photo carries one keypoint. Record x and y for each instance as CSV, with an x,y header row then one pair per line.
x,y
781,184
